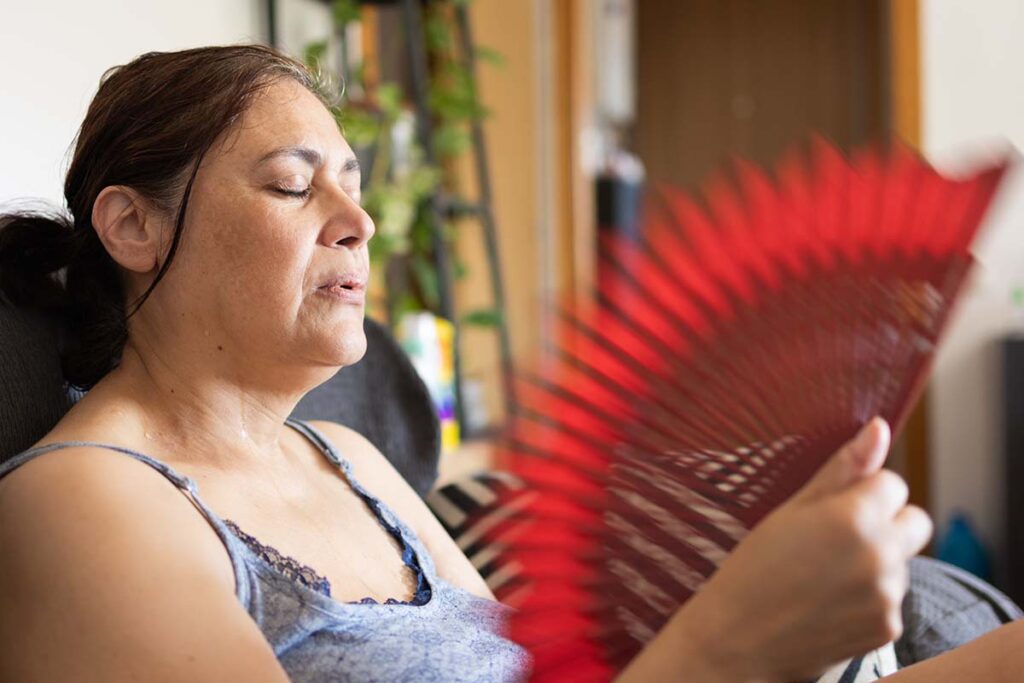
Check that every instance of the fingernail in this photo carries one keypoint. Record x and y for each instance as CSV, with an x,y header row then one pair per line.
x,y
864,440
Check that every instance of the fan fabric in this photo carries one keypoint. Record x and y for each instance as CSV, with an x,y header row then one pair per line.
x,y
722,358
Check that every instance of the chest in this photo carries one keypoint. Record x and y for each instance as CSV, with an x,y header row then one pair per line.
x,y
317,524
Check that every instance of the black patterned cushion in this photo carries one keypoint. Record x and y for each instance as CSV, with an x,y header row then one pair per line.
x,y
477,511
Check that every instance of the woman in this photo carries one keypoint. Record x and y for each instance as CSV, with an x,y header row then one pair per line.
x,y
215,270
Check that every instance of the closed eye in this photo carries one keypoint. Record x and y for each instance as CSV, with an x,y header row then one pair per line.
x,y
299,194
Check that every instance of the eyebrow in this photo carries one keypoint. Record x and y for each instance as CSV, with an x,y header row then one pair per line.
x,y
309,155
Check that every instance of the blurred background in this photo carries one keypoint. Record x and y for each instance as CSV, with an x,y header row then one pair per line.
x,y
496,135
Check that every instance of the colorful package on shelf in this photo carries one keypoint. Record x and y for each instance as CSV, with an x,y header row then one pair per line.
x,y
429,342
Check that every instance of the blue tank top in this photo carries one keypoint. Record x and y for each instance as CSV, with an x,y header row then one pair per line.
x,y
443,634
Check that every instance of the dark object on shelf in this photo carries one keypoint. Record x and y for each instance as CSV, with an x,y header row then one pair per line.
x,y
1013,445
618,205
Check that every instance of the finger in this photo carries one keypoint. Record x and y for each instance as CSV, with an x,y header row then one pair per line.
x,y
876,499
859,457
913,529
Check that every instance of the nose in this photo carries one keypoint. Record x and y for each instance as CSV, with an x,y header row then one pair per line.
x,y
347,225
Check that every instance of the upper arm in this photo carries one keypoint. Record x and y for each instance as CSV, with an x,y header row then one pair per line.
x,y
997,656
379,476
107,572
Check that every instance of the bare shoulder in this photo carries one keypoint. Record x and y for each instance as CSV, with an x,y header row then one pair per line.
x,y
89,536
375,472
365,458
379,477
90,493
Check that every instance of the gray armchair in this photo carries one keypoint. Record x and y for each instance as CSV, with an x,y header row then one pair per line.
x,y
947,607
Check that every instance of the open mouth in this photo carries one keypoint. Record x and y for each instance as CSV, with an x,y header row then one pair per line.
x,y
347,282
347,288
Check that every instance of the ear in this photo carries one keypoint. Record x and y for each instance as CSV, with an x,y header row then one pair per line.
x,y
129,227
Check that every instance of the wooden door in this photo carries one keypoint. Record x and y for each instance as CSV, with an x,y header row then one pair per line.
x,y
752,77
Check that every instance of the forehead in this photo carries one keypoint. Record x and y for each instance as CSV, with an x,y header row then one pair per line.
x,y
284,113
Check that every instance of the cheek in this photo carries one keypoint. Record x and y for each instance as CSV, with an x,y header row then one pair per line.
x,y
253,256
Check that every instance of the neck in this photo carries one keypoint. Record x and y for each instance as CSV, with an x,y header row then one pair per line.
x,y
203,413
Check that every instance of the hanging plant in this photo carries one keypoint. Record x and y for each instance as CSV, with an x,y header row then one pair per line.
x,y
400,185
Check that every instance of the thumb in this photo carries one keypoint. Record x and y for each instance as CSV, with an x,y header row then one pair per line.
x,y
859,457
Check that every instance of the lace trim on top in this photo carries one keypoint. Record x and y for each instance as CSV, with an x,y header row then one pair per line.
x,y
284,564
422,594
294,570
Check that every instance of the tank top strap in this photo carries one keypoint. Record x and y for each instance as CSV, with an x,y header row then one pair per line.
x,y
177,479
185,484
324,445
384,514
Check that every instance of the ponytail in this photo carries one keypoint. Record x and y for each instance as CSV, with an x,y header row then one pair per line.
x,y
34,247
46,265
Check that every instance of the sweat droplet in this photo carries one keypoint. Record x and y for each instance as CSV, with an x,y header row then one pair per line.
x,y
148,435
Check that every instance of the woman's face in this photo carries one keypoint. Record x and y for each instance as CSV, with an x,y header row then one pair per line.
x,y
273,262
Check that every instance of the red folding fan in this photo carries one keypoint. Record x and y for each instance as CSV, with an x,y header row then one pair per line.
x,y
721,360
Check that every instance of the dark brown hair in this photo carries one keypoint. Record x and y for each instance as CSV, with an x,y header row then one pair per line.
x,y
148,127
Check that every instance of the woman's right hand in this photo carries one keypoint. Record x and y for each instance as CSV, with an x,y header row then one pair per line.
x,y
819,580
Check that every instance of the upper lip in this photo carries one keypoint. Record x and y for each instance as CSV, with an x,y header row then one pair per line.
x,y
355,281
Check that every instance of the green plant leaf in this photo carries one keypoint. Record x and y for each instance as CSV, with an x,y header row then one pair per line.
x,y
345,11
421,233
400,203
406,303
483,317
437,32
384,247
389,98
359,127
489,55
423,180
425,274
357,76
451,140
314,54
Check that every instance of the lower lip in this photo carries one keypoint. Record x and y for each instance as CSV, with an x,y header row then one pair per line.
x,y
349,296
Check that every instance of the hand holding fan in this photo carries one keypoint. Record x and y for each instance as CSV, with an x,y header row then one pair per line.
x,y
723,358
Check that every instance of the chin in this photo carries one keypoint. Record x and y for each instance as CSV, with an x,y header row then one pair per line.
x,y
348,347
335,342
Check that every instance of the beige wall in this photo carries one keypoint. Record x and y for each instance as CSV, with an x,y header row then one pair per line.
x,y
972,91
52,55
510,92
